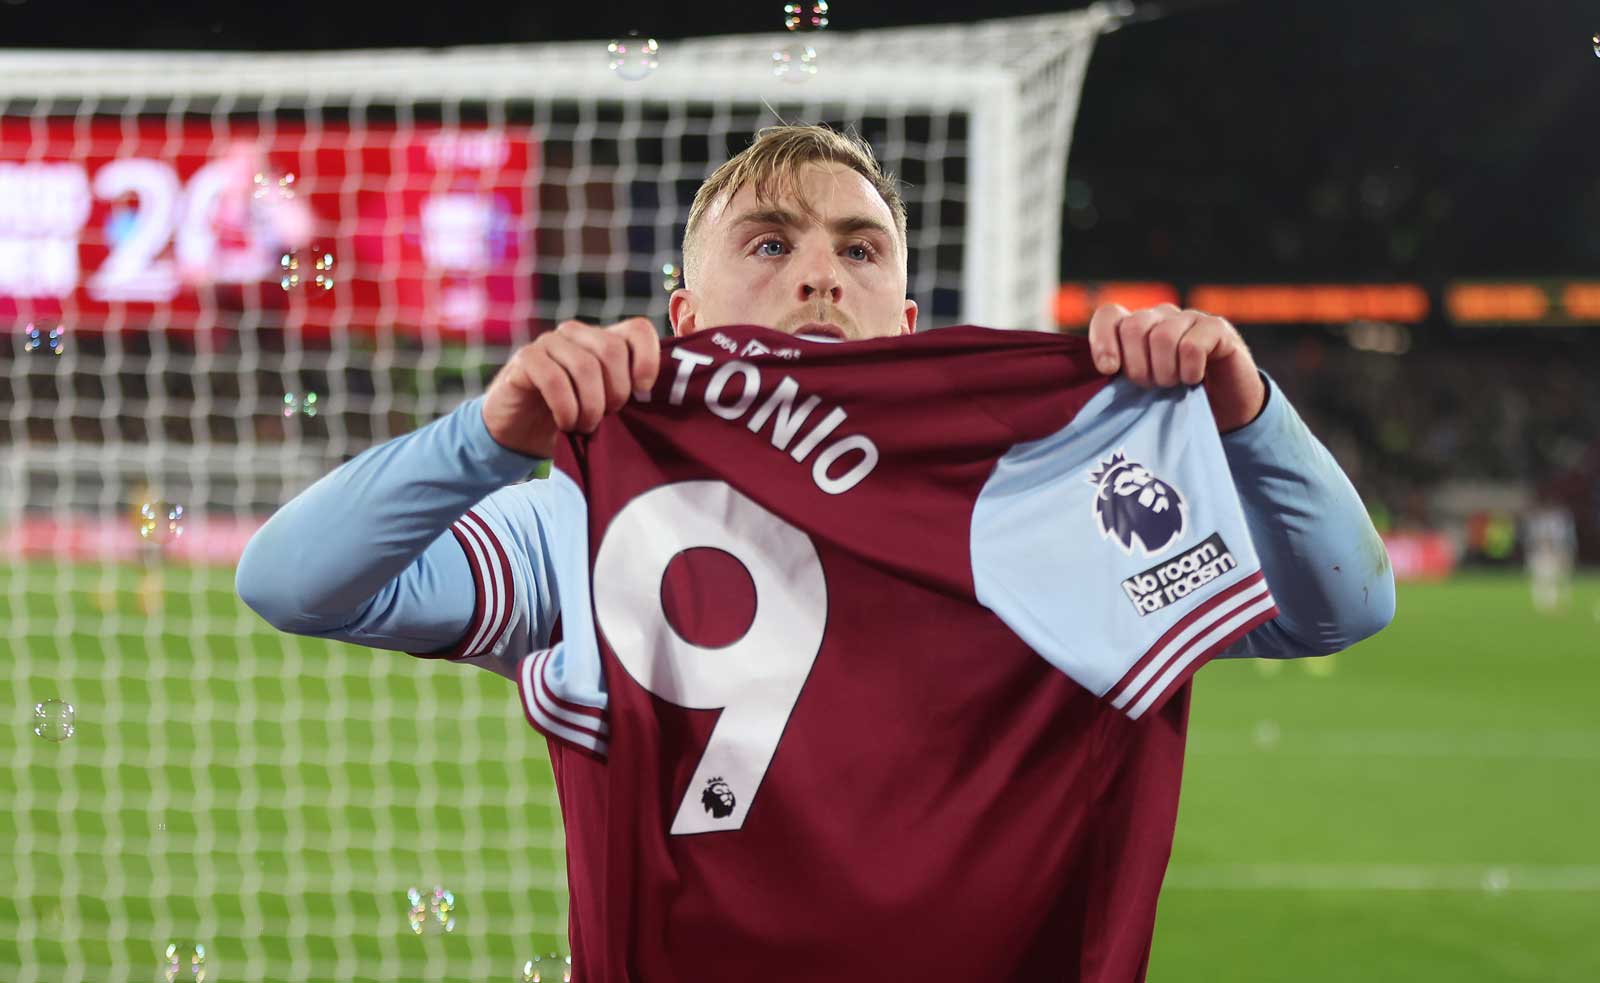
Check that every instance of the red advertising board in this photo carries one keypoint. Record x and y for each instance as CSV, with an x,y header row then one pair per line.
x,y
189,223
1417,555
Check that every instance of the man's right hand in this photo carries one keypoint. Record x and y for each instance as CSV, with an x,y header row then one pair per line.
x,y
567,380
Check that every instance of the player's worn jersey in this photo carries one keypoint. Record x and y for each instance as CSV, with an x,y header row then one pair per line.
x,y
872,663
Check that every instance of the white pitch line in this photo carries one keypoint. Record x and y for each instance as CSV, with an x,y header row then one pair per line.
x,y
1574,745
1389,877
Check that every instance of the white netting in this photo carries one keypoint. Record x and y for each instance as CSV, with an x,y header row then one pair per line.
x,y
273,798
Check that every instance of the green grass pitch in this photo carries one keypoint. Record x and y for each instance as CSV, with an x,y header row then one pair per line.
x,y
1424,807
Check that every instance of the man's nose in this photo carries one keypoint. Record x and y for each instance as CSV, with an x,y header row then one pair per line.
x,y
819,279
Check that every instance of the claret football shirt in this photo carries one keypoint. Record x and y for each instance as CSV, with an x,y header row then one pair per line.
x,y
872,657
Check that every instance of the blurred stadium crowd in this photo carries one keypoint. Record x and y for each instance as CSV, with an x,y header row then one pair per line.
x,y
1460,438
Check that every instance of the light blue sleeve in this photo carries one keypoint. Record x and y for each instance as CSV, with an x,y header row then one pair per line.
x,y
562,684
1117,548
1326,563
384,552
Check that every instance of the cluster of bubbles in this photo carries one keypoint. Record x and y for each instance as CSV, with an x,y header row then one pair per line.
x,y
179,954
296,404
53,720
671,277
160,522
794,62
632,58
434,910
805,16
321,269
37,339
547,969
265,187
797,61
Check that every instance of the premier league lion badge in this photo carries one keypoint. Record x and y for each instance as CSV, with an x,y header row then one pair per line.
x,y
1131,504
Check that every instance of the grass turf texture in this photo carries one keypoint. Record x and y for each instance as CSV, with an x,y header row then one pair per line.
x,y
1420,808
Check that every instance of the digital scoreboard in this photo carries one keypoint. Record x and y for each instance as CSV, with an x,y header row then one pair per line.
x,y
189,224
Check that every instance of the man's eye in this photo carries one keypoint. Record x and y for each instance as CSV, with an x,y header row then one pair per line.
x,y
763,250
860,251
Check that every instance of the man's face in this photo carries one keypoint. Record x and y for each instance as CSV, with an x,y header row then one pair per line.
x,y
837,271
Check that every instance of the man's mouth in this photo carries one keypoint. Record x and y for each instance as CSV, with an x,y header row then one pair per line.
x,y
823,328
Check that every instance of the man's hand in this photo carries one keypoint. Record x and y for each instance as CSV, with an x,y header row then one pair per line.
x,y
1164,346
567,380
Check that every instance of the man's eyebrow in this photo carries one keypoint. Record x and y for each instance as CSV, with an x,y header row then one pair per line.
x,y
844,225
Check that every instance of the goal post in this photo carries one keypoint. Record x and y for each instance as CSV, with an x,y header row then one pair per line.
x,y
225,273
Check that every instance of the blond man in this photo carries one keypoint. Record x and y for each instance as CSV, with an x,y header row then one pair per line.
x,y
862,654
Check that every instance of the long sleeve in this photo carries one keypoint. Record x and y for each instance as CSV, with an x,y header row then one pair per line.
x,y
1321,555
368,554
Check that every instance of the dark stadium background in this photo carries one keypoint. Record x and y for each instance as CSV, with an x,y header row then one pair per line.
x,y
1221,139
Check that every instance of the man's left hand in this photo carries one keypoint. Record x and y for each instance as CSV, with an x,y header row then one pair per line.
x,y
1165,346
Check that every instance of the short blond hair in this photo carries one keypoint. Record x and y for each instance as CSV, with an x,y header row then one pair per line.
x,y
771,165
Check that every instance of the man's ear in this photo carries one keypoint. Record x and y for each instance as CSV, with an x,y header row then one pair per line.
x,y
910,324
681,312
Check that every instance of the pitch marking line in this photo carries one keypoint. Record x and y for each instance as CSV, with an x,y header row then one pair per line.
x,y
1394,877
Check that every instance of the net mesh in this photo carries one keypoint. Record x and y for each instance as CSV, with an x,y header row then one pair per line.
x,y
224,275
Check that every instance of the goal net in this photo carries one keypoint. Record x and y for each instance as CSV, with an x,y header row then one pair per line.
x,y
224,274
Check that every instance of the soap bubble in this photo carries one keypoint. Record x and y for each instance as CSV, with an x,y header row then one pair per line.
x,y
289,267
633,57
444,906
431,910
548,968
293,404
180,957
671,277
417,913
53,720
794,62
811,16
1596,42
160,522
318,261
51,341
268,186
322,264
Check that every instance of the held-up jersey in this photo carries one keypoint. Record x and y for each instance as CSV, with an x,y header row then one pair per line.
x,y
871,660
